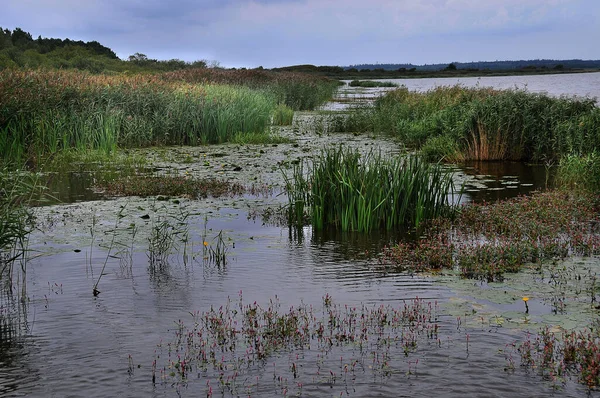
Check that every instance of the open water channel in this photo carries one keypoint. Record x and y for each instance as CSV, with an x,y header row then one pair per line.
x,y
130,339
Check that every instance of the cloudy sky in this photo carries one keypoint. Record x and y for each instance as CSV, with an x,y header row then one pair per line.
x,y
322,32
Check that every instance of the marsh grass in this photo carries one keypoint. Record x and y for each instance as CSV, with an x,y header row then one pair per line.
x,y
577,172
283,115
298,91
488,240
45,112
485,124
352,192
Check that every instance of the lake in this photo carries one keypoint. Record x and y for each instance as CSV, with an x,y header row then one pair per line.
x,y
575,84
187,327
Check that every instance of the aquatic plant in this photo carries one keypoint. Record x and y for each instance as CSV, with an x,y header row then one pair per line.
x,y
487,240
170,185
352,192
228,347
559,356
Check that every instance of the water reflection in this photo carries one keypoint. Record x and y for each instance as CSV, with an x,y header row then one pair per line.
x,y
503,180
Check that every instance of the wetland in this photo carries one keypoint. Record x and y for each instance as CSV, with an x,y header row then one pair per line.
x,y
176,269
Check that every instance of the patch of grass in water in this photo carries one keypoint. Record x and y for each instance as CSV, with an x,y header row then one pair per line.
x,y
182,186
283,115
488,240
345,190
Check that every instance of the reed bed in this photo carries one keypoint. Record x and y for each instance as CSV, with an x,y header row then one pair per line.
x,y
296,90
44,112
483,123
487,240
352,192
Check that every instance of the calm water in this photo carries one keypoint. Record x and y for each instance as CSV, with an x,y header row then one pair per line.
x,y
576,84
72,344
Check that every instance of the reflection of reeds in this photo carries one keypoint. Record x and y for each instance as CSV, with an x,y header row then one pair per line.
x,y
352,192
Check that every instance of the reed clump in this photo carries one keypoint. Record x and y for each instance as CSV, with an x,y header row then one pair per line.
x,y
484,123
346,190
579,172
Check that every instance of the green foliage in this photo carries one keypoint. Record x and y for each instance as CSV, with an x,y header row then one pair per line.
x,y
42,113
485,124
346,190
577,172
283,116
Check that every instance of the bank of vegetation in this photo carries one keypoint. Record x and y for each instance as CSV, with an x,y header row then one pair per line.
x,y
458,123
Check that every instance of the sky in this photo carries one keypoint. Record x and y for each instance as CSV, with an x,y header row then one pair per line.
x,y
272,33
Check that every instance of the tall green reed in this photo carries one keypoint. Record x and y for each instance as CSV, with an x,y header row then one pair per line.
x,y
43,112
350,191
485,124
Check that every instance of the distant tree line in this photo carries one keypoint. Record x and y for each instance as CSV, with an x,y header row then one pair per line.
x,y
19,49
484,65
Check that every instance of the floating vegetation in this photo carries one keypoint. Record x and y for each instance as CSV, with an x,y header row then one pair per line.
x,y
352,192
487,240
230,349
182,186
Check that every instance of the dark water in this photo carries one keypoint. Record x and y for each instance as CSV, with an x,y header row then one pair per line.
x,y
75,344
